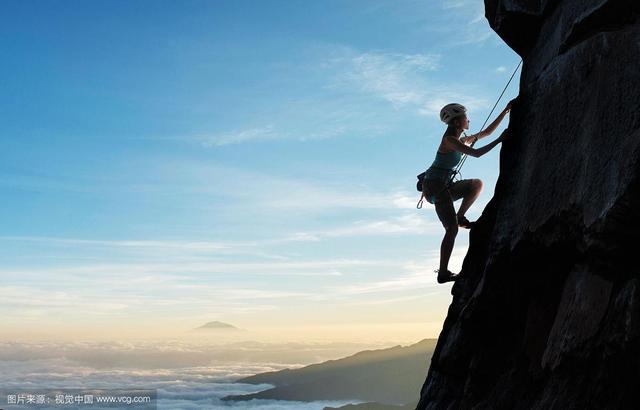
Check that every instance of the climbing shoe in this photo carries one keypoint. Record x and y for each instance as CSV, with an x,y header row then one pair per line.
x,y
463,222
446,276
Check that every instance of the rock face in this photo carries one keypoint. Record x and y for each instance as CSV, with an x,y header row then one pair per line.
x,y
546,313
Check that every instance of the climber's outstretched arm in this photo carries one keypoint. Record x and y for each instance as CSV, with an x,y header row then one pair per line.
x,y
492,127
454,143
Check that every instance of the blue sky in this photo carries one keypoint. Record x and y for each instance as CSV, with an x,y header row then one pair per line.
x,y
169,163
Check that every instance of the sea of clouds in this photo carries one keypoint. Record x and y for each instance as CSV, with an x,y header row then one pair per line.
x,y
185,375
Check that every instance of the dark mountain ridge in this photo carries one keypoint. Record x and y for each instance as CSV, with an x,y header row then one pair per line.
x,y
386,376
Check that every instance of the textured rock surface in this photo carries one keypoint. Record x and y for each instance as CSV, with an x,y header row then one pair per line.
x,y
546,314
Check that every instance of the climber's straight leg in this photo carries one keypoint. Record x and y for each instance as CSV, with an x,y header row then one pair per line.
x,y
447,215
446,247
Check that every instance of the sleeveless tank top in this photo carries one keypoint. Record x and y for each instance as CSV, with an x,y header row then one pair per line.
x,y
443,165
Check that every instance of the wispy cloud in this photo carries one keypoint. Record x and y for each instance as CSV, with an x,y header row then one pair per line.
x,y
352,82
404,225
433,106
327,114
204,246
133,291
24,297
395,78
392,76
403,200
386,301
185,273
312,198
286,193
455,4
462,23
400,80
415,275
235,137
184,179
91,301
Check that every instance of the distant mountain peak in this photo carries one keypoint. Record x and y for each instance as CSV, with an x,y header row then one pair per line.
x,y
216,325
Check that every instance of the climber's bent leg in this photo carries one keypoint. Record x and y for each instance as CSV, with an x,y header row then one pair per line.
x,y
447,215
468,190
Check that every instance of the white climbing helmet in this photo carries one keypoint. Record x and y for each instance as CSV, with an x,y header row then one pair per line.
x,y
450,111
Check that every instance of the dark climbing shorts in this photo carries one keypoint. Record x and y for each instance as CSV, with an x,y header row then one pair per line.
x,y
444,198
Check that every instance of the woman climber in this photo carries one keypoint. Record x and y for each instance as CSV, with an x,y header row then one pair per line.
x,y
437,186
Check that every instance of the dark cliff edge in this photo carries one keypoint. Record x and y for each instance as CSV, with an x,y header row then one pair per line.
x,y
546,313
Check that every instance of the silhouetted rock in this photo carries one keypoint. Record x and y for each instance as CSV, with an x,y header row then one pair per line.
x,y
546,313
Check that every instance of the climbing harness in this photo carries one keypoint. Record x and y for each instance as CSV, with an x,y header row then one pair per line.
x,y
432,197
456,171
